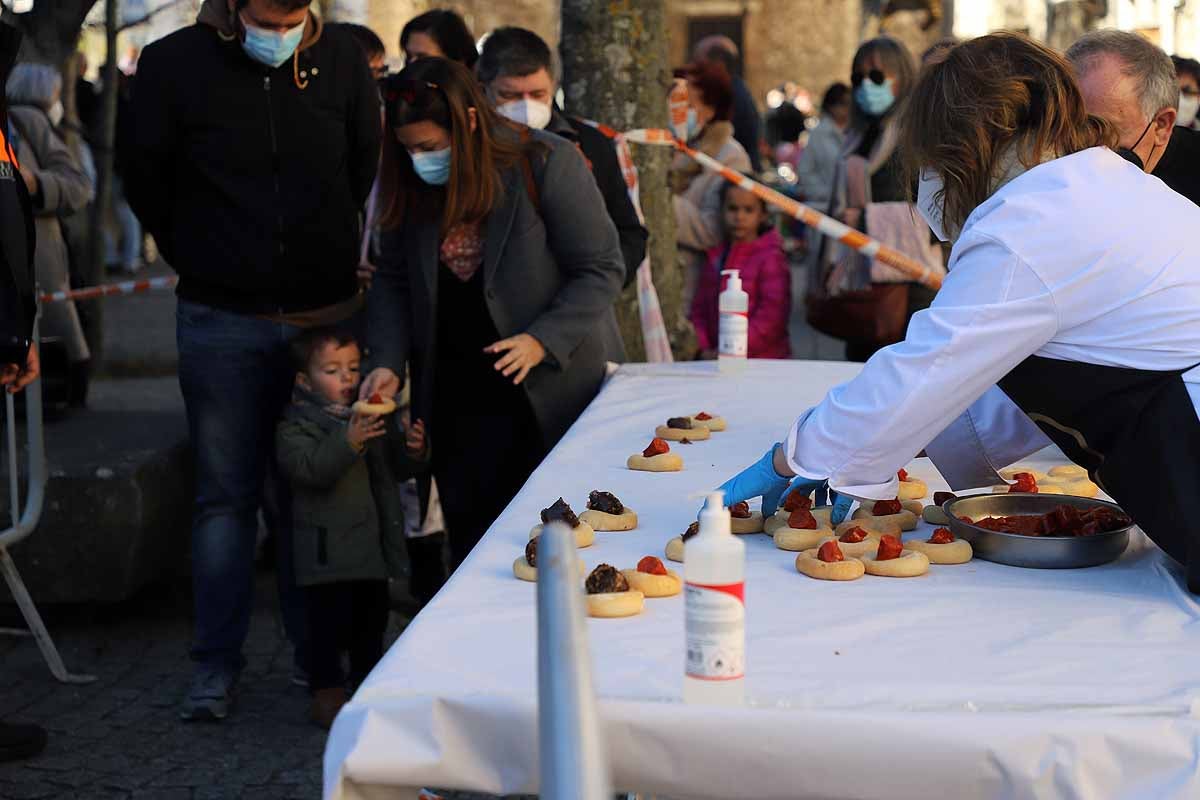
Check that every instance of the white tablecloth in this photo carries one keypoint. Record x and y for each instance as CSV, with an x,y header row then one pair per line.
x,y
974,681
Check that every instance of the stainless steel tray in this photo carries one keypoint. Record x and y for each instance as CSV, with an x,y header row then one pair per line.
x,y
1039,552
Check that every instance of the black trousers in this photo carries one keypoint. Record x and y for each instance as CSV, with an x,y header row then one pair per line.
x,y
345,617
487,445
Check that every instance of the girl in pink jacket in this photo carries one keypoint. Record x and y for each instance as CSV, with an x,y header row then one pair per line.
x,y
754,248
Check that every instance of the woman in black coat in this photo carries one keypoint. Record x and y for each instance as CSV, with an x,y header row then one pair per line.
x,y
498,271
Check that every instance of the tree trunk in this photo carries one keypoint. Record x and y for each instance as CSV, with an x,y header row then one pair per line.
x,y
616,71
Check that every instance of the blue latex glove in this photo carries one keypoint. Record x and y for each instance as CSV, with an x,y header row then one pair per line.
x,y
841,507
761,480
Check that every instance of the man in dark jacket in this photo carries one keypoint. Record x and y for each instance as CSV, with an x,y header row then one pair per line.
x,y
256,142
18,355
517,71
747,125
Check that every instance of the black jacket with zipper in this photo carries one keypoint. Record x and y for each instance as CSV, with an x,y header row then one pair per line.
x,y
251,179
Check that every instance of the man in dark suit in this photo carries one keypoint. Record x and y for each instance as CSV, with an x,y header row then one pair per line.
x,y
518,73
1129,81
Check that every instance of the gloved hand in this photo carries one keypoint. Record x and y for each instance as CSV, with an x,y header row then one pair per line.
x,y
841,507
761,480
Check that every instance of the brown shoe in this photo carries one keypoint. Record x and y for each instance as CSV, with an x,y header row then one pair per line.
x,y
326,704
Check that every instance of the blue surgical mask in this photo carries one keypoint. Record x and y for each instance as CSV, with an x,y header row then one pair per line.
x,y
271,47
693,124
874,98
433,166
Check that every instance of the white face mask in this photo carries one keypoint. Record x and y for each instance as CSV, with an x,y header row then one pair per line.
x,y
55,113
527,112
929,205
1188,106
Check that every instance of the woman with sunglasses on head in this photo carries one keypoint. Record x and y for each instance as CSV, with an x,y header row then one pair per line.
x,y
1071,300
869,193
497,274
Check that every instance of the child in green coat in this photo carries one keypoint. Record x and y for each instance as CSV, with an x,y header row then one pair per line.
x,y
349,531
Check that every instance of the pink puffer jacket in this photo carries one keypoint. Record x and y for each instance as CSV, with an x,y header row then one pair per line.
x,y
765,278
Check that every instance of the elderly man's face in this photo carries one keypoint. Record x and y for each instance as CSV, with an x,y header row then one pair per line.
x,y
1109,94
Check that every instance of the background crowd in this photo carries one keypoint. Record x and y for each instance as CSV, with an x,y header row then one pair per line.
x,y
449,238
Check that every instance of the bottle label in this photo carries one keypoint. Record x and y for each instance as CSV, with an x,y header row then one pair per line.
x,y
733,333
716,631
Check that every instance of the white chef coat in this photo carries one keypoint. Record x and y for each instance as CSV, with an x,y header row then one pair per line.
x,y
1084,258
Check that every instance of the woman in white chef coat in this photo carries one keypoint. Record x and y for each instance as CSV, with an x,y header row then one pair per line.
x,y
1072,302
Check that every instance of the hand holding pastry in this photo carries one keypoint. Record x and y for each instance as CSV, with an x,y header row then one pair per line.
x,y
362,428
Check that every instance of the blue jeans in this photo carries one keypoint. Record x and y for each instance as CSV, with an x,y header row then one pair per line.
x,y
236,377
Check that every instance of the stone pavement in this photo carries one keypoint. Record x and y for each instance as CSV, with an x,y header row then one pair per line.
x,y
121,736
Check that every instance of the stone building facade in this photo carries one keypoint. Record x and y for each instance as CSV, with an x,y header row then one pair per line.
x,y
808,42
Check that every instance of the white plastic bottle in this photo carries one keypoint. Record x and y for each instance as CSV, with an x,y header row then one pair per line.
x,y
714,569
733,329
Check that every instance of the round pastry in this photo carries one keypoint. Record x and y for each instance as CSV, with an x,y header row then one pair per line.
x,y
1081,487
652,579
743,520
1068,471
606,513
1011,473
891,560
910,488
827,563
675,546
679,428
804,529
656,458
942,548
584,535
888,509
525,567
855,542
934,515
875,527
374,406
1015,488
711,421
609,595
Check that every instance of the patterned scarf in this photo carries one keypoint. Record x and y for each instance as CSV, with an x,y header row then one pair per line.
x,y
307,399
462,249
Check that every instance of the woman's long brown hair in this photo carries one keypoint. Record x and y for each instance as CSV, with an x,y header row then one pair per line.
x,y
444,93
987,95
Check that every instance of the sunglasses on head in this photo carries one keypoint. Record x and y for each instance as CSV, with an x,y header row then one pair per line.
x,y
876,77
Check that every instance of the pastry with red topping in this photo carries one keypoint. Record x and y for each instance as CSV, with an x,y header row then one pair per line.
x,y
657,457
374,406
903,512
679,428
910,488
829,563
943,547
705,419
743,520
892,560
653,579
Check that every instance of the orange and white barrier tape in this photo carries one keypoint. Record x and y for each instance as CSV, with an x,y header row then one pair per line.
x,y
855,239
112,289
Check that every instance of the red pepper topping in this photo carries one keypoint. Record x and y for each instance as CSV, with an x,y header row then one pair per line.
x,y
884,507
375,399
802,519
651,566
703,415
967,520
889,547
902,475
830,552
1025,483
941,536
740,510
797,499
657,448
853,536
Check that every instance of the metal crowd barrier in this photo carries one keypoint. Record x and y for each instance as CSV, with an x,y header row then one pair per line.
x,y
23,524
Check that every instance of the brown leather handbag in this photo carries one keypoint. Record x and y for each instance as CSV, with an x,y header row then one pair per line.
x,y
876,315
